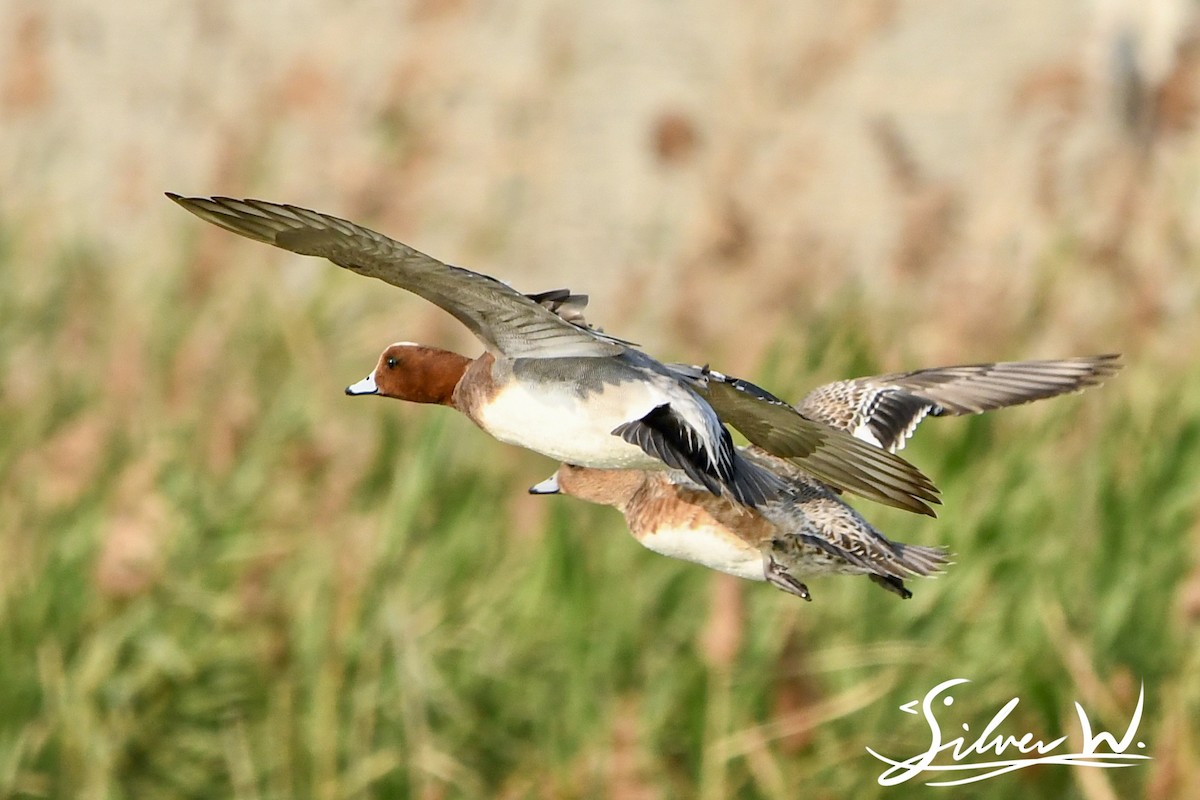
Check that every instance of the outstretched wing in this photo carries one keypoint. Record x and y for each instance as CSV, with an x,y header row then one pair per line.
x,y
886,409
506,321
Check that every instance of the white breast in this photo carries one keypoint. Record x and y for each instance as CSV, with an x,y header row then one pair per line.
x,y
710,546
558,423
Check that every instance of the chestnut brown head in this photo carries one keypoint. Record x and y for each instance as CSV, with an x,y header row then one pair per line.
x,y
414,372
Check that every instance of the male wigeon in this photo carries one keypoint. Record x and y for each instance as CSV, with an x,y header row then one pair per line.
x,y
810,530
555,385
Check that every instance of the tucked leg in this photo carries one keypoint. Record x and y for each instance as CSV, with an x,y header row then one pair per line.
x,y
892,584
777,575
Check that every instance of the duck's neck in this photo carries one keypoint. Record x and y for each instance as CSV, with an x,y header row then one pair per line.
x,y
441,378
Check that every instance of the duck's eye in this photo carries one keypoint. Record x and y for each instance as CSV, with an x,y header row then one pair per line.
x,y
391,362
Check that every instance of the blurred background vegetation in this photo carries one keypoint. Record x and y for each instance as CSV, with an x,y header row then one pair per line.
x,y
224,578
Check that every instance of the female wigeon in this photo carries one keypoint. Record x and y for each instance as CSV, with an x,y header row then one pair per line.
x,y
557,386
810,530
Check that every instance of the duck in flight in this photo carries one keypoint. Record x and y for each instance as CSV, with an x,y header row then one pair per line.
x,y
555,385
810,530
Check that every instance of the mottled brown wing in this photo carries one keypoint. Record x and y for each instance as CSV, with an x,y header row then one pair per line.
x,y
886,409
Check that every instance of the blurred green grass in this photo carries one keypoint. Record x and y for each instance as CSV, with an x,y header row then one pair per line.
x,y
223,578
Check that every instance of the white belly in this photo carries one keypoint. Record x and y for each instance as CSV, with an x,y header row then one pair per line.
x,y
565,427
711,547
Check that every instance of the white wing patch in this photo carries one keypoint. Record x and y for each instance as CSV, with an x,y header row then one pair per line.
x,y
865,433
